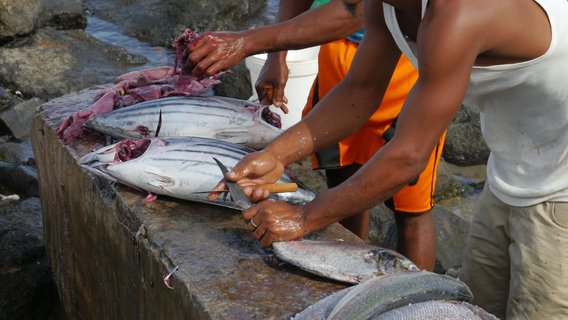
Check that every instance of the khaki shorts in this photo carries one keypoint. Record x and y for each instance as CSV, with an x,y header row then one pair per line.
x,y
516,261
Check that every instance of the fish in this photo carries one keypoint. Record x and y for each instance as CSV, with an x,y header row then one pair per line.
x,y
436,310
349,262
382,294
228,119
322,308
179,167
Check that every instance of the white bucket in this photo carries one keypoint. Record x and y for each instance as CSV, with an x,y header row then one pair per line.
x,y
303,68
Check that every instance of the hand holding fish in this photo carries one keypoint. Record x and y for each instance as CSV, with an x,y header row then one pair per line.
x,y
214,52
254,170
271,221
272,80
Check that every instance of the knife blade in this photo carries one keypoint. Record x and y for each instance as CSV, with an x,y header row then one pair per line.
x,y
239,197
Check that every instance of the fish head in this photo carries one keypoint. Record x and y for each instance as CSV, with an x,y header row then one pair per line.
x,y
100,162
391,260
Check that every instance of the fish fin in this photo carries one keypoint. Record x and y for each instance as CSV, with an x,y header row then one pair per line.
x,y
150,198
160,180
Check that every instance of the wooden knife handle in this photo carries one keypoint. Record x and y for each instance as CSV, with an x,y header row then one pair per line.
x,y
280,187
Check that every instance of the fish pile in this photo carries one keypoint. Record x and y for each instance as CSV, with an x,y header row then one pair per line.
x,y
143,85
180,167
402,295
233,120
387,286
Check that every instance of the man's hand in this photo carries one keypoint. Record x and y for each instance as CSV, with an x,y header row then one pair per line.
x,y
272,80
271,221
214,52
254,170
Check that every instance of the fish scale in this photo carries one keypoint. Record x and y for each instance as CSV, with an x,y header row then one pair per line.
x,y
228,119
179,167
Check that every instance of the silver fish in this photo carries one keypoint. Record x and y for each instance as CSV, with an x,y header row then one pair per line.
x,y
322,308
179,167
437,310
379,295
222,118
342,261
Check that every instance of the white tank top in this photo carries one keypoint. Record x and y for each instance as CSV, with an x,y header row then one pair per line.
x,y
524,115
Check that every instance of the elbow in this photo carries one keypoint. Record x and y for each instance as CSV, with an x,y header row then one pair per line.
x,y
412,162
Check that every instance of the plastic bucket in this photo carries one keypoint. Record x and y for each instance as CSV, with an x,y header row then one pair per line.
x,y
303,68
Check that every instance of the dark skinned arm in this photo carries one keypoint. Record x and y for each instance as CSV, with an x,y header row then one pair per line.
x,y
215,52
448,46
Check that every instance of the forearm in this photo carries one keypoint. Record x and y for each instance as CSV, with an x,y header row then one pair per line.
x,y
341,112
296,31
379,179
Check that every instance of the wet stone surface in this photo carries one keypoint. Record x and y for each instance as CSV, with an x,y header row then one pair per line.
x,y
110,251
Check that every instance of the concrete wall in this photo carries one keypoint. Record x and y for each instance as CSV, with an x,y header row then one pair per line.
x,y
109,251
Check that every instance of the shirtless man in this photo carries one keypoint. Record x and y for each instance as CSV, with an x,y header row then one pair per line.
x,y
509,57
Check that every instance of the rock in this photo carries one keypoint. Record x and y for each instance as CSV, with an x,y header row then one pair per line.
x,y
7,99
446,181
451,235
235,84
313,179
380,222
17,152
19,117
76,61
19,179
63,14
18,18
158,22
28,290
465,145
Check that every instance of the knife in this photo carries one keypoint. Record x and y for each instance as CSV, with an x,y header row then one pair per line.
x,y
270,187
239,197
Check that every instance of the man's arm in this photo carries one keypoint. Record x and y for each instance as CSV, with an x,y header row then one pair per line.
x,y
215,52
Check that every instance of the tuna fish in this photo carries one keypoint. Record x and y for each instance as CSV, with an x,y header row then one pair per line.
x,y
436,310
228,119
342,261
379,295
180,167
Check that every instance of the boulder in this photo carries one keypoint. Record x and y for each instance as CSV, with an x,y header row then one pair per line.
x,y
28,290
52,63
63,14
465,145
19,117
158,22
17,152
451,234
18,18
18,178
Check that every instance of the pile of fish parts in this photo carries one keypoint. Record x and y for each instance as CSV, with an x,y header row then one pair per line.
x,y
169,127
